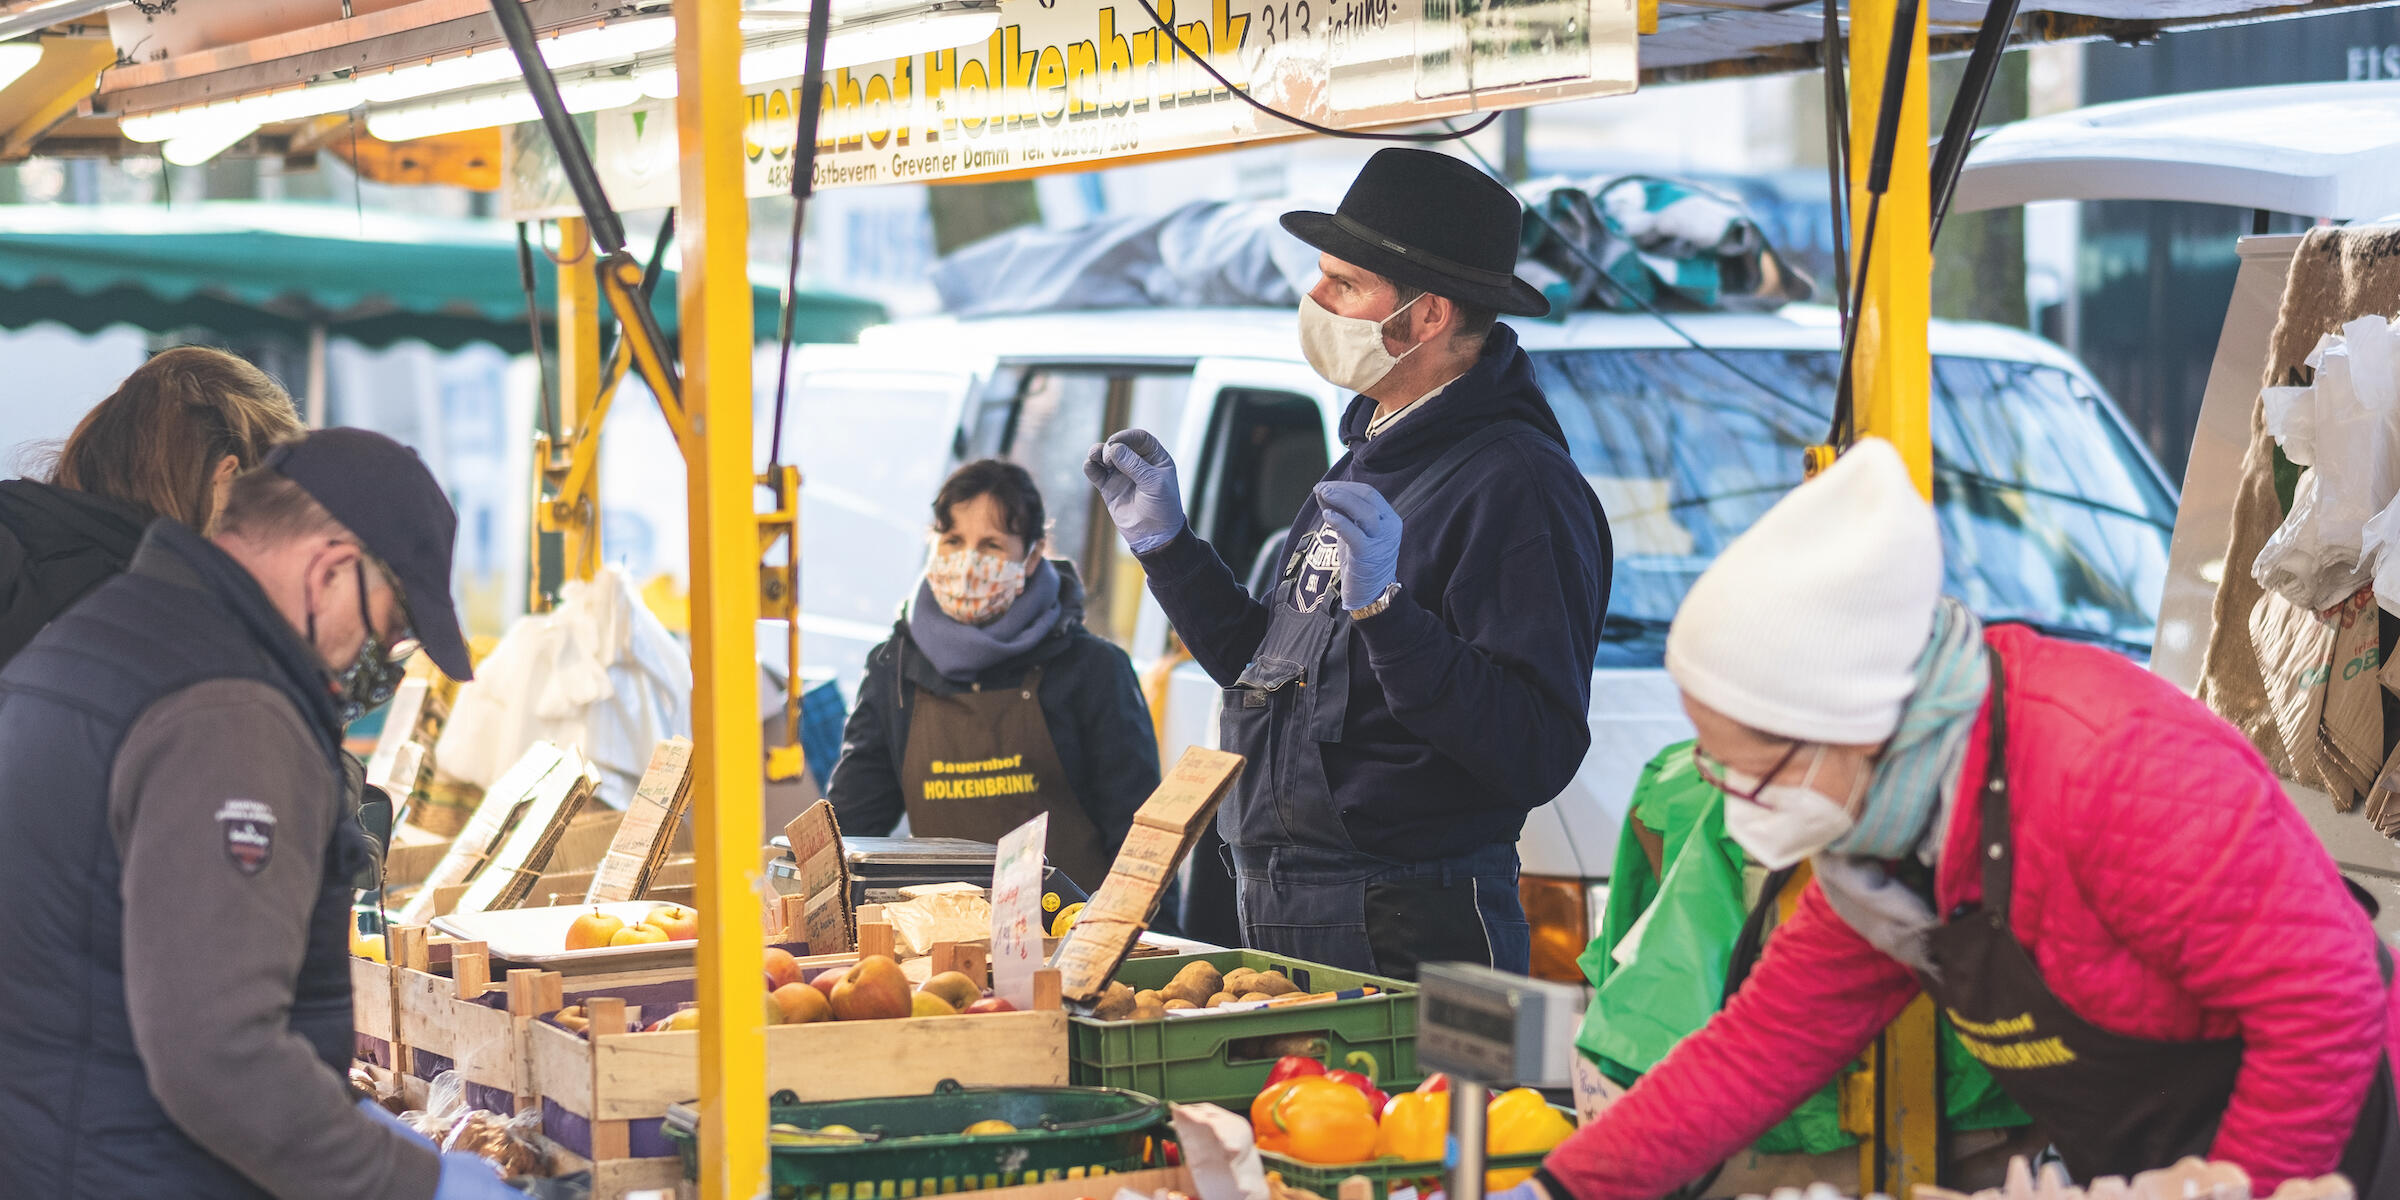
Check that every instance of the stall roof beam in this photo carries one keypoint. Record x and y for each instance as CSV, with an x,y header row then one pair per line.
x,y
368,42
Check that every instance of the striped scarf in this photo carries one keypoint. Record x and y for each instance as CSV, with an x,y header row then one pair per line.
x,y
1920,763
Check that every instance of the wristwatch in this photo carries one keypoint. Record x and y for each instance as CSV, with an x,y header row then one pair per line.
x,y
1375,607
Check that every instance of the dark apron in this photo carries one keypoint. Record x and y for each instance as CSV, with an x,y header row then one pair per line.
x,y
980,763
1302,887
2112,1105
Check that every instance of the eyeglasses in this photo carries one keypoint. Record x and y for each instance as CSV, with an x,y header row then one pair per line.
x,y
403,641
1738,784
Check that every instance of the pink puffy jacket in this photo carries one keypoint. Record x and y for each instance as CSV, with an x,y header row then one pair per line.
x,y
2167,889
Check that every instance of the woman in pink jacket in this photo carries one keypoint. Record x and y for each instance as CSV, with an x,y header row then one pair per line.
x,y
2101,884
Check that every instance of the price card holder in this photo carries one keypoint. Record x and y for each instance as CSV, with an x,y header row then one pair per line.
x,y
1017,911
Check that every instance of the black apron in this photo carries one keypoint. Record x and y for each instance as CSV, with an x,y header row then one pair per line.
x,y
2112,1105
1303,888
980,763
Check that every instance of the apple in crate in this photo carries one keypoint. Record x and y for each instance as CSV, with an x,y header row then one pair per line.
x,y
873,990
782,968
592,930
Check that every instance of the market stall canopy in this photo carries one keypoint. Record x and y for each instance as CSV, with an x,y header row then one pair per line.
x,y
246,268
2317,150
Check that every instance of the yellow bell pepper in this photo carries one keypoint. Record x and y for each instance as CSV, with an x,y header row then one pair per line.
x,y
1521,1122
1416,1127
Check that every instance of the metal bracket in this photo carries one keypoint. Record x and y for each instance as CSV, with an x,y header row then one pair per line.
x,y
779,600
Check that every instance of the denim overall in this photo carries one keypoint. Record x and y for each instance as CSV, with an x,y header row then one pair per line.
x,y
1302,887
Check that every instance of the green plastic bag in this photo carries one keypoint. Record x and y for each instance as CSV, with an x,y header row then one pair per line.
x,y
1666,940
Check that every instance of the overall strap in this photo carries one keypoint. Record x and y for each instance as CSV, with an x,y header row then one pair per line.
x,y
1439,471
1999,849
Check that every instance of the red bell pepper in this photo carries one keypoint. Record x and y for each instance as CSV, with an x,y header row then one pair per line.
x,y
1436,1082
1293,1066
1363,1080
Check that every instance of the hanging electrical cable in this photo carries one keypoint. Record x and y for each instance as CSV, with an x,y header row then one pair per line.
x,y
1966,109
1834,53
533,323
804,184
1243,95
1879,181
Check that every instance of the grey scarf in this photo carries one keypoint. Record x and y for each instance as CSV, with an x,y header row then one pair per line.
x,y
1911,799
961,651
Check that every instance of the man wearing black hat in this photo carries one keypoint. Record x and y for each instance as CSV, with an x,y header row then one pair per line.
x,y
1418,678
178,840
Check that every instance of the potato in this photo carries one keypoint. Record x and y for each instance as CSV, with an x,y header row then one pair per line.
x,y
1256,996
1148,996
1180,1005
1273,983
1115,1004
1221,998
1239,981
1151,1009
1198,981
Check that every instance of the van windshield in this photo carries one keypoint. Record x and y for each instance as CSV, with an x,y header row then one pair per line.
x,y
2049,513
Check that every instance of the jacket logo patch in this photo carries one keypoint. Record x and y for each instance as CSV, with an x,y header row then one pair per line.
x,y
249,829
1319,569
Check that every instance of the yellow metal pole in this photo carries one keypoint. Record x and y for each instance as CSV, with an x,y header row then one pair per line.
x,y
714,291
1893,391
579,390
1895,374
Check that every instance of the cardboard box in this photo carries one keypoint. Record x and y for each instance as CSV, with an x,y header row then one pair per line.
x,y
1164,831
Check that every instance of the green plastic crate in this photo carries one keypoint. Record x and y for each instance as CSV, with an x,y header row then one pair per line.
x,y
1389,1173
1224,1060
913,1146
1385,1174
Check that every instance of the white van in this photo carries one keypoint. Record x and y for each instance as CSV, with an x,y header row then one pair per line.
x,y
2051,511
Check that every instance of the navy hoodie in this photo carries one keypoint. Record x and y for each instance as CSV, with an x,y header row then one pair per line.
x,y
1473,709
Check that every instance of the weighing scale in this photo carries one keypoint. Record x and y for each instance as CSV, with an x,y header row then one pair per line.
x,y
1485,1029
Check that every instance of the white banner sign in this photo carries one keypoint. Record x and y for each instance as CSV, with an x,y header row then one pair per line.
x,y
1076,84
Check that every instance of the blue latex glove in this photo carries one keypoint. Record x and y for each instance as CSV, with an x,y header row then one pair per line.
x,y
1136,479
468,1177
1369,532
383,1116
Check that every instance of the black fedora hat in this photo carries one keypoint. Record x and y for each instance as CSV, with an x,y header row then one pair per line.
x,y
1429,221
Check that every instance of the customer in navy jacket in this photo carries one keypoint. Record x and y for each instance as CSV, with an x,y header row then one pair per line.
x,y
1419,677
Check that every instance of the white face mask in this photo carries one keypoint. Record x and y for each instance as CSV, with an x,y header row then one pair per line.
x,y
1348,351
1779,824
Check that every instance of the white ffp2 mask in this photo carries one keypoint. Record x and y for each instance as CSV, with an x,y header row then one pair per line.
x,y
1348,351
1785,822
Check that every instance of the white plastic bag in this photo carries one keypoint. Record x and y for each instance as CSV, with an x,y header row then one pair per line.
x,y
598,673
2345,428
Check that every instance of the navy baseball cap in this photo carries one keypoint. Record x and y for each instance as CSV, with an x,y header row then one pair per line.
x,y
381,491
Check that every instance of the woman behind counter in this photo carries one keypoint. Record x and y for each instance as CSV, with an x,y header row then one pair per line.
x,y
166,443
991,702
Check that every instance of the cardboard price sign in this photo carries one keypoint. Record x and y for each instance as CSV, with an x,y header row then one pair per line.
x,y
642,842
1163,833
816,839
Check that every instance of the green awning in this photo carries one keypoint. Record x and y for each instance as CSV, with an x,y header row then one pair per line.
x,y
244,268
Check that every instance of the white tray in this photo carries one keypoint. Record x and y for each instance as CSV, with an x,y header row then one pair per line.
x,y
533,936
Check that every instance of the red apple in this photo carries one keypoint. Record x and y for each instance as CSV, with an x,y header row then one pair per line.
x,y
874,989
782,968
991,1004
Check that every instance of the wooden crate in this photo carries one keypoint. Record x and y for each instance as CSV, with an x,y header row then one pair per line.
x,y
604,1095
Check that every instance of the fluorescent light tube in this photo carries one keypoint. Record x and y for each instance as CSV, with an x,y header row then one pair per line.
x,y
202,143
607,43
511,106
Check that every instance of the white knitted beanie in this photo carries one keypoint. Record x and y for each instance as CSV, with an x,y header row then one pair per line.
x,y
1809,626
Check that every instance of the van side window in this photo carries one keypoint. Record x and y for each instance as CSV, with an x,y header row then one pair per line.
x,y
1266,450
1053,417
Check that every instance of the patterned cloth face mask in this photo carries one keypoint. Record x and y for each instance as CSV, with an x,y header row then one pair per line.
x,y
973,587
